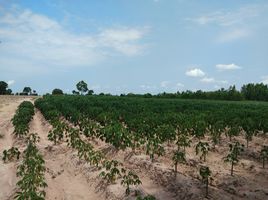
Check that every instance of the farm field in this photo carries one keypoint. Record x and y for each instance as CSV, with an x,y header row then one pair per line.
x,y
94,147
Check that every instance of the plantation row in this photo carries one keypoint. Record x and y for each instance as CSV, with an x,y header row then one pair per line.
x,y
149,124
112,170
32,168
22,118
133,122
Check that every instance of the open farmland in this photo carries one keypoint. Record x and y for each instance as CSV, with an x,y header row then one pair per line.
x,y
99,147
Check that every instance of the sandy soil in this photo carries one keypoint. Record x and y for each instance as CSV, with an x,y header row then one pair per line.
x,y
70,178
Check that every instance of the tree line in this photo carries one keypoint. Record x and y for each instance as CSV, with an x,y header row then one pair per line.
x,y
5,90
251,91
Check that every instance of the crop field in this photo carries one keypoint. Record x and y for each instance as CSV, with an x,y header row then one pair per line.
x,y
111,147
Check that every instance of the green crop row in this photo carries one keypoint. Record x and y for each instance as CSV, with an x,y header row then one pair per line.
x,y
22,118
111,169
31,172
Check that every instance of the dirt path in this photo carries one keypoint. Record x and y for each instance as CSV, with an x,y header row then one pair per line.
x,y
7,171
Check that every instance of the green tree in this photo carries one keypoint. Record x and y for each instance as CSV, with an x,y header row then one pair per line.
x,y
3,87
90,92
57,91
9,92
82,87
75,92
27,90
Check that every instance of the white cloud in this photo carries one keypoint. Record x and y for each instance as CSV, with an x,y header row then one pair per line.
x,y
207,80
233,35
147,87
180,85
223,67
34,42
164,84
196,72
265,80
229,18
213,80
10,82
223,82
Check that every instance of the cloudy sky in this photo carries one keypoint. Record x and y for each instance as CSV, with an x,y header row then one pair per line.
x,y
121,46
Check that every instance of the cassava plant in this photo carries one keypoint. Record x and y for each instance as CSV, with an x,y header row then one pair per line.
x,y
148,197
264,155
129,179
203,148
205,174
154,147
183,140
178,157
10,154
234,151
32,173
112,170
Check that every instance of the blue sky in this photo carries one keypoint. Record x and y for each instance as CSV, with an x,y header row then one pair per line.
x,y
140,46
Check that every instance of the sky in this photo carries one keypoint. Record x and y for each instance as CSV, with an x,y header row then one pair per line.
x,y
139,46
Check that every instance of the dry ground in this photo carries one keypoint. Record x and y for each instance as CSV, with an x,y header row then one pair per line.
x,y
70,178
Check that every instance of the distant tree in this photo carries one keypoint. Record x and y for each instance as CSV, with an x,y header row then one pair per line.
x,y
3,87
9,91
57,91
82,87
90,92
253,91
75,92
27,90
147,95
34,93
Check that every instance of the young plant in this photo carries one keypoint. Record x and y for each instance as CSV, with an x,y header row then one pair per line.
x,y
203,148
199,129
249,128
264,155
153,147
112,170
233,131
22,118
10,154
216,130
129,179
234,151
32,173
178,157
148,197
57,133
183,140
205,173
